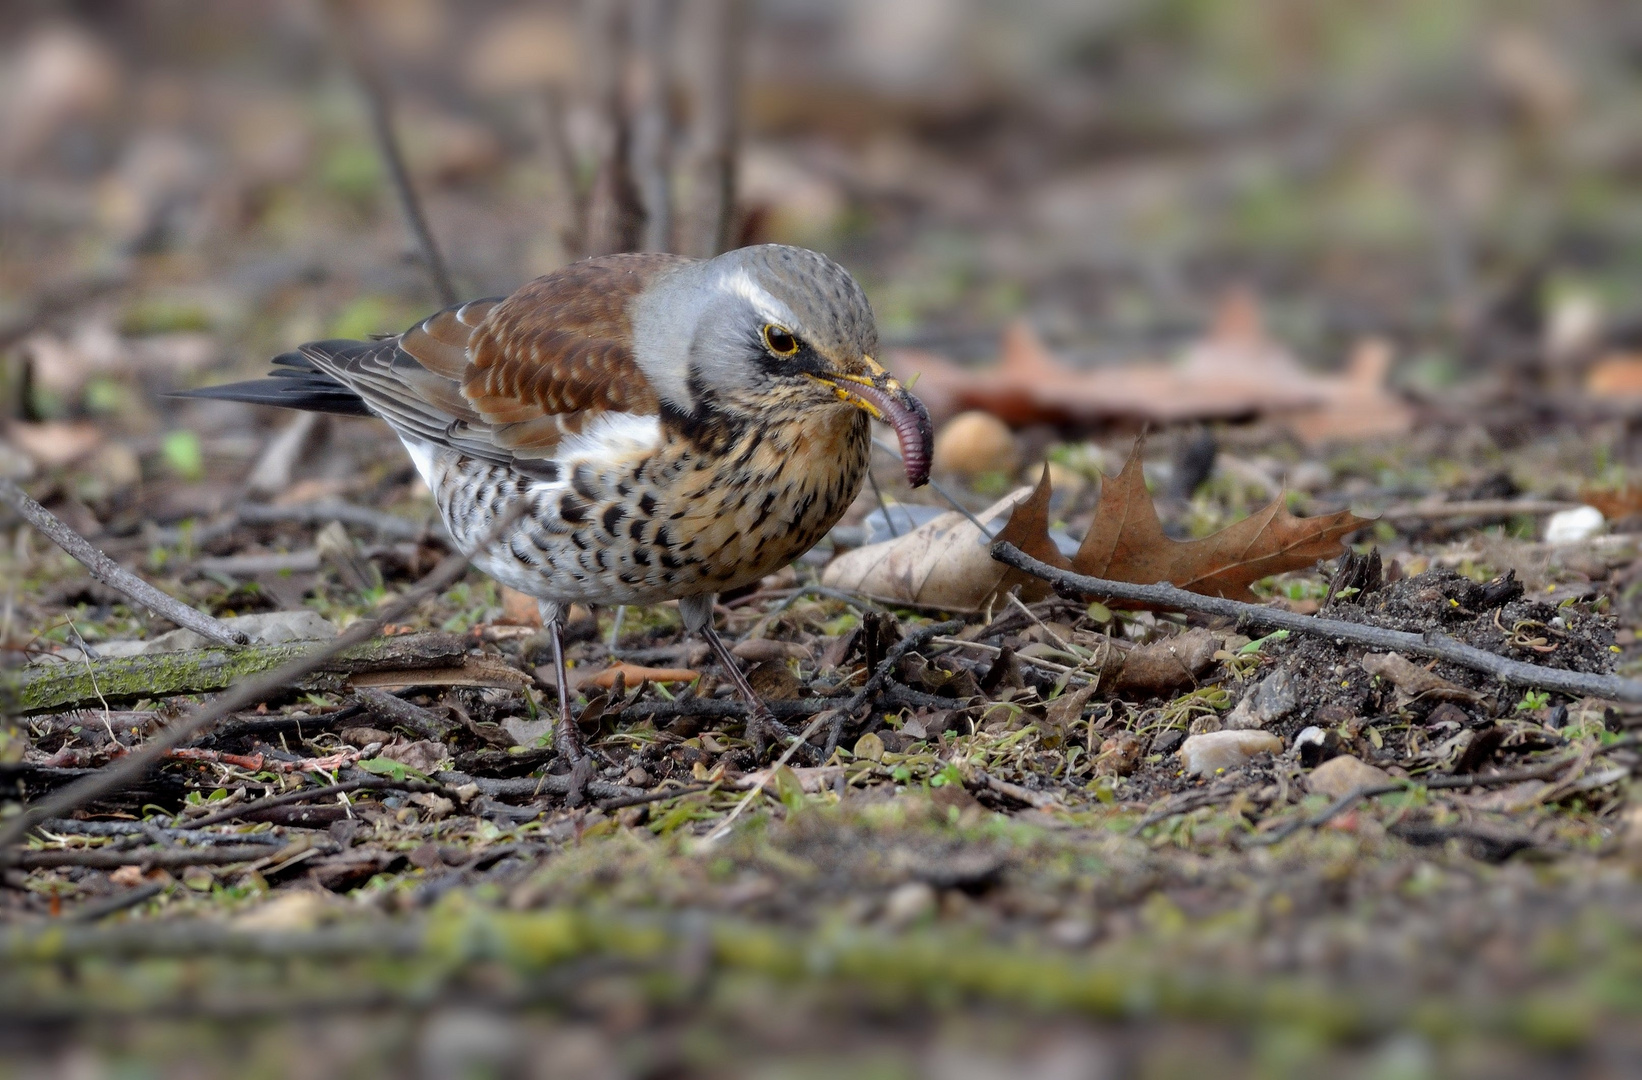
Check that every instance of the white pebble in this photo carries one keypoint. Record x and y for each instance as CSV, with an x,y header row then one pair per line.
x,y
1573,526
1207,754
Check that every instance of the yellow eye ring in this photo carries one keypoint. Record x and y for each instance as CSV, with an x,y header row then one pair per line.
x,y
779,340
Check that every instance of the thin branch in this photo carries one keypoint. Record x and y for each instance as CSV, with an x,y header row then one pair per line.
x,y
712,43
113,858
1510,672
613,207
1544,770
351,35
651,796
375,783
1439,511
651,31
110,573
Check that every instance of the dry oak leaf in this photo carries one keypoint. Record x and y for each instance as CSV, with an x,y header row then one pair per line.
x,y
1126,542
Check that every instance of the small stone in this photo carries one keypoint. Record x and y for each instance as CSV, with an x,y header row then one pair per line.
x,y
1271,700
1339,777
1207,724
424,755
909,903
1168,742
1211,752
1071,932
1574,526
366,736
974,443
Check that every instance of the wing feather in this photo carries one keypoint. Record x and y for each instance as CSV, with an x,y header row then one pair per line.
x,y
510,379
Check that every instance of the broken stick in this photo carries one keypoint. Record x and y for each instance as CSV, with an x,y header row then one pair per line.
x,y
1508,671
110,573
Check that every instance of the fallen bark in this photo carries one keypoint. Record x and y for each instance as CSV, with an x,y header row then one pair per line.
x,y
204,671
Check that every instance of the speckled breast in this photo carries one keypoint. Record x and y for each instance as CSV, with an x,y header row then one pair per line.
x,y
680,521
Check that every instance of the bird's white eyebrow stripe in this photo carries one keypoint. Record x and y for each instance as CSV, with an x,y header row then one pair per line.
x,y
741,283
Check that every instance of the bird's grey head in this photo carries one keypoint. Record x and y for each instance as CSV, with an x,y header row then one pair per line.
x,y
767,332
727,330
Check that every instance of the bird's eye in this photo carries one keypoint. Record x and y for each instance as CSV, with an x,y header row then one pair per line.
x,y
779,340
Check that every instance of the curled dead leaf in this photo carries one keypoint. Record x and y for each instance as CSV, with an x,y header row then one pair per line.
x,y
946,563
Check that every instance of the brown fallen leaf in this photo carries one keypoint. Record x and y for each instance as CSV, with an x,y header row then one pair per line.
x,y
1616,375
1615,503
1126,542
519,609
1236,370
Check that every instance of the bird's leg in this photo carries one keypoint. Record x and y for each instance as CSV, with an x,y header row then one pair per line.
x,y
762,725
567,738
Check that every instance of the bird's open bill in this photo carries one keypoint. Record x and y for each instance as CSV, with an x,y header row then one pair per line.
x,y
884,398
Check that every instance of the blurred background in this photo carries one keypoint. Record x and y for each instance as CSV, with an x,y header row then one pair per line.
x,y
187,189
1424,215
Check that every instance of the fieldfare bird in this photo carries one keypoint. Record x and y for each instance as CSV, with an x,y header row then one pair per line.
x,y
641,428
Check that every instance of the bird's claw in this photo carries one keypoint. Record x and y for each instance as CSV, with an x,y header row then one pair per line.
x,y
763,729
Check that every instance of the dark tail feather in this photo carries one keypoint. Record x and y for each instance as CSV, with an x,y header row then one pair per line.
x,y
294,384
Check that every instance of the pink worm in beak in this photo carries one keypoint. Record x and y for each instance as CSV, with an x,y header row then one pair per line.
x,y
907,415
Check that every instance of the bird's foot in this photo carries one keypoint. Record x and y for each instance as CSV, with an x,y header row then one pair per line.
x,y
763,730
567,741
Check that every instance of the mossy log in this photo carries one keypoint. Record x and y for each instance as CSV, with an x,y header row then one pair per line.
x,y
202,671
405,959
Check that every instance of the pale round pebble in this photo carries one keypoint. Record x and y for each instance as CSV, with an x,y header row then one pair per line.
x,y
974,443
1573,526
1207,754
1340,776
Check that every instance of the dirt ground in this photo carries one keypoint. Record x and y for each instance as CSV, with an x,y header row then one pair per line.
x,y
998,855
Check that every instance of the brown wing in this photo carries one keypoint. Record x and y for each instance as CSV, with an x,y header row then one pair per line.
x,y
507,379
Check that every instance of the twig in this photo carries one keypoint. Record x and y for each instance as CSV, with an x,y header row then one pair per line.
x,y
1345,802
917,639
351,35
1475,508
375,783
786,756
133,766
147,829
113,858
326,511
93,910
1041,800
651,31
1510,672
110,573
199,671
651,796
397,710
529,787
712,36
